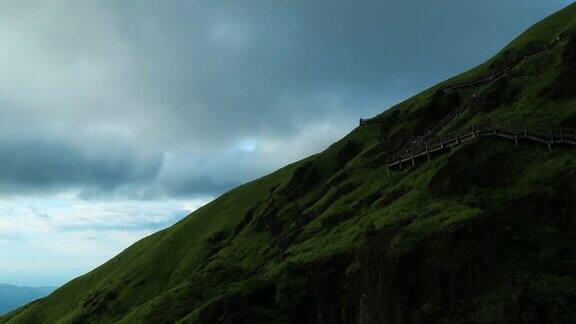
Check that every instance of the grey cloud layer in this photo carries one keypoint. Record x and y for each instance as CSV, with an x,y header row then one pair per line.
x,y
151,98
37,165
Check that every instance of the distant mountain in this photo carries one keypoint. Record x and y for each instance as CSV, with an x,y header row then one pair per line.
x,y
386,225
12,297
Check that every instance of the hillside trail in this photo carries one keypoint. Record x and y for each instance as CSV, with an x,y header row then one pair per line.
x,y
424,144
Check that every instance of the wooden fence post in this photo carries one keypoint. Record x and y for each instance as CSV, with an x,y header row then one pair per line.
x,y
525,130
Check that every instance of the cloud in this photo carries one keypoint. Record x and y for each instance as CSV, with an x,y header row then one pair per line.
x,y
44,166
65,237
38,212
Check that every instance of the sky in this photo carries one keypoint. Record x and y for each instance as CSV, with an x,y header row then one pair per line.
x,y
119,118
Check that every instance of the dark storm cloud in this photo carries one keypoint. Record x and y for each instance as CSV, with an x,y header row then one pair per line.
x,y
228,69
36,165
120,85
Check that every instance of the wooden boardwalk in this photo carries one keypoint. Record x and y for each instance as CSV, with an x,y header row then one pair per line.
x,y
417,151
540,48
425,145
490,77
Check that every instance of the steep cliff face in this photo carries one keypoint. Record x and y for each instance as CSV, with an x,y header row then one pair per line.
x,y
484,232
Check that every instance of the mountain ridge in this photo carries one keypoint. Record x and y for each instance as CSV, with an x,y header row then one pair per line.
x,y
12,296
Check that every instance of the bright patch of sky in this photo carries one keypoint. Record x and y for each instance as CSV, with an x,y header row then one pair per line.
x,y
39,235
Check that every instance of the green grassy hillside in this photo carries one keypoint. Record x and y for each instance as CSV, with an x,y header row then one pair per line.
x,y
484,233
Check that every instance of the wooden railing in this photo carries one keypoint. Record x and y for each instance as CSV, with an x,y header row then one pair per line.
x,y
487,78
368,121
425,144
516,134
540,48
443,122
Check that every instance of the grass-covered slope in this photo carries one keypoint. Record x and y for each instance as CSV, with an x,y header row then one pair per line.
x,y
485,233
